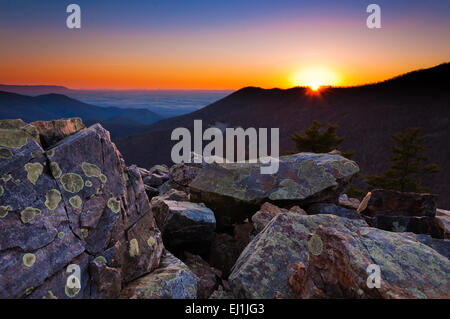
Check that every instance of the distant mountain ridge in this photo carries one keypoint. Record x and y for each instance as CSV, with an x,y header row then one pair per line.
x,y
367,116
56,106
34,89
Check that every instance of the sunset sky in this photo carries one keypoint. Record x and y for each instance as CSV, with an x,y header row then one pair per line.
x,y
193,44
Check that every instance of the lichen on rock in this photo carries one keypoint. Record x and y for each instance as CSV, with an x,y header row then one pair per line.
x,y
52,199
114,205
34,171
28,214
29,259
73,183
76,201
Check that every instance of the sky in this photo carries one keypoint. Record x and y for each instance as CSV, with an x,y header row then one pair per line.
x,y
208,44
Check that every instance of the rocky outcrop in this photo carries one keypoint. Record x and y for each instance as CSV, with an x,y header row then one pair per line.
x,y
235,191
71,207
185,226
260,271
172,280
339,266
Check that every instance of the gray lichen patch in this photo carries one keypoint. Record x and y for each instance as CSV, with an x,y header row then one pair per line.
x,y
52,199
13,138
71,292
2,190
134,248
88,184
28,214
76,201
61,235
56,171
315,245
84,232
29,259
34,170
73,183
91,170
50,295
103,178
6,177
4,210
151,241
114,205
36,154
50,153
5,153
101,259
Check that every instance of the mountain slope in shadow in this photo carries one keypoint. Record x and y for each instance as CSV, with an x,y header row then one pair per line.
x,y
366,115
121,122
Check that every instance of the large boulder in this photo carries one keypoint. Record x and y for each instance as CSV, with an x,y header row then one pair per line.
x,y
340,265
75,203
185,226
260,271
264,269
235,191
172,280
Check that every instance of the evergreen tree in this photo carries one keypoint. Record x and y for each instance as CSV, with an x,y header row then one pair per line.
x,y
317,141
408,164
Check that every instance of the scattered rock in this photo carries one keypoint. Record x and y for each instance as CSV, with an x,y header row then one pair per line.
x,y
172,280
269,211
224,251
349,203
392,203
207,276
235,191
443,224
185,226
324,208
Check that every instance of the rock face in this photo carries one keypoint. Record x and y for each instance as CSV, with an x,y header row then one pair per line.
x,y
401,212
235,191
172,280
185,226
261,270
74,203
50,132
338,268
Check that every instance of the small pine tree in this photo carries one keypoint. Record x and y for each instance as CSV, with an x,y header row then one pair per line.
x,y
408,164
325,141
317,141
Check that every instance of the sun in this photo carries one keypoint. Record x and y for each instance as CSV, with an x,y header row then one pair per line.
x,y
315,77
